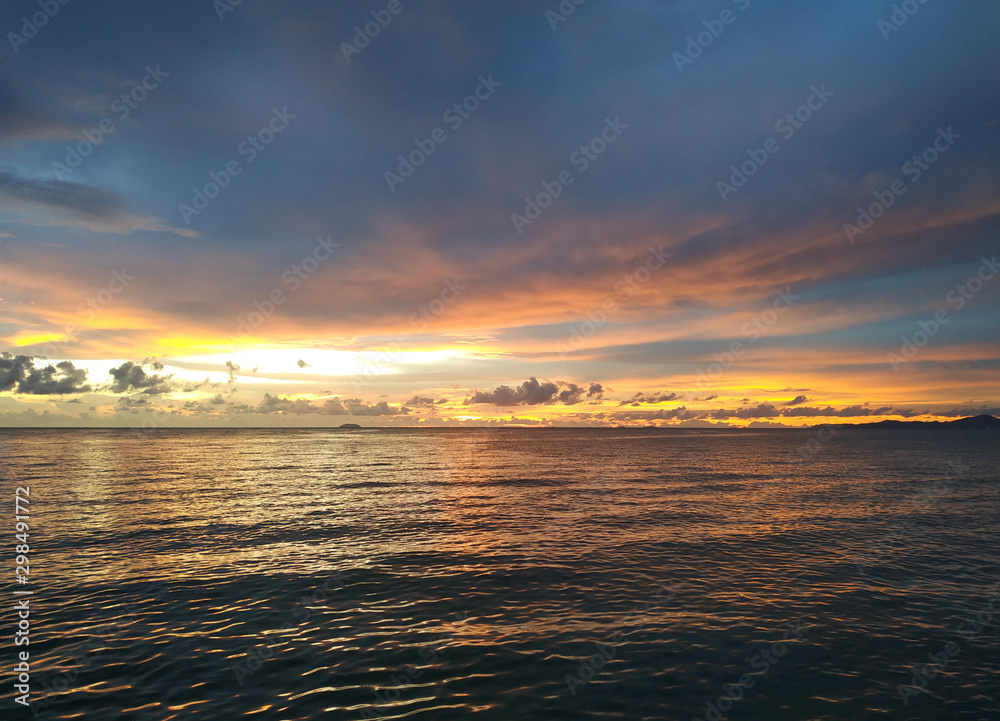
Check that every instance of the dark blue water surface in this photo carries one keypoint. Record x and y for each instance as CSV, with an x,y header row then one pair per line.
x,y
507,574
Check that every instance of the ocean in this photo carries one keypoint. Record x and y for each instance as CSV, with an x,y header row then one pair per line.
x,y
837,573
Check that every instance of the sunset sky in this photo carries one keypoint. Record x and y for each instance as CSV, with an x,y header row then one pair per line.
x,y
264,214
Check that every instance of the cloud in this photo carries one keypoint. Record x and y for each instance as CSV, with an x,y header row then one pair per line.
x,y
681,413
18,374
422,402
797,400
966,412
849,411
764,410
68,203
356,407
275,404
20,119
302,364
533,393
212,405
130,376
332,407
641,398
755,413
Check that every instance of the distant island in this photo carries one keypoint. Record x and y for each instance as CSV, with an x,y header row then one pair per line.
x,y
971,422
349,425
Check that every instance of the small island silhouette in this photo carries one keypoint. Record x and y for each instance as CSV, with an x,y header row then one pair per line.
x,y
349,426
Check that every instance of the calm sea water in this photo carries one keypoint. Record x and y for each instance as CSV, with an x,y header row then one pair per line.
x,y
507,574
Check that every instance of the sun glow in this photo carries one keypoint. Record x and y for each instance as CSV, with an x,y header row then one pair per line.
x,y
314,363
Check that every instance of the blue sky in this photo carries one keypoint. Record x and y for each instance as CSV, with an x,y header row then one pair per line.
x,y
213,84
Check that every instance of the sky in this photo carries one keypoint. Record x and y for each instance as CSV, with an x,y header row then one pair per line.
x,y
410,212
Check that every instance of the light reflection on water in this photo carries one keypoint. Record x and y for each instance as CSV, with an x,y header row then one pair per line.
x,y
440,573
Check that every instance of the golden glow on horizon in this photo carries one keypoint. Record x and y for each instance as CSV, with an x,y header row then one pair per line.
x,y
213,391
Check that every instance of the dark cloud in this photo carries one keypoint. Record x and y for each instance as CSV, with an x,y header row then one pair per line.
x,y
966,412
19,375
91,207
641,398
62,379
422,402
275,404
762,410
22,119
356,407
12,370
681,413
533,393
130,376
302,364
797,400
849,411
213,405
